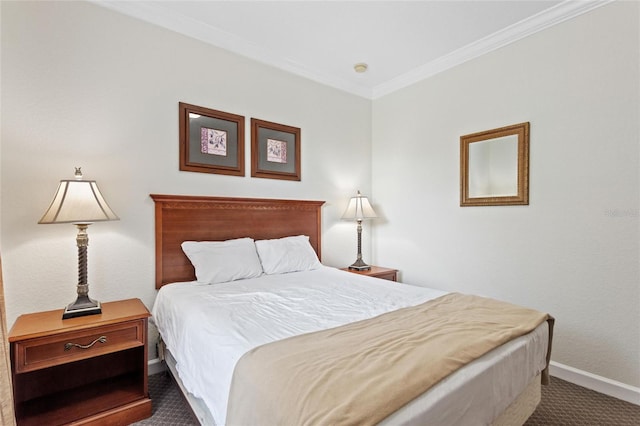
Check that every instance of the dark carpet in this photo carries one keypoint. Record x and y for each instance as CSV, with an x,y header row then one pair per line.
x,y
563,404
566,404
168,405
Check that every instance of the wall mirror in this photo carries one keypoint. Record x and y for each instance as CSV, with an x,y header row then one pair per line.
x,y
494,167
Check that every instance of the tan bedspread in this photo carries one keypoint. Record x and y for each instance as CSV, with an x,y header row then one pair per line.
x,y
360,373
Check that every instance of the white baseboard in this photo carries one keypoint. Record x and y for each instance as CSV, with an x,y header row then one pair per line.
x,y
155,366
597,383
573,375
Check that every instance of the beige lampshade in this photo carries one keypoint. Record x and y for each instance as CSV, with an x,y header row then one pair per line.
x,y
78,201
359,208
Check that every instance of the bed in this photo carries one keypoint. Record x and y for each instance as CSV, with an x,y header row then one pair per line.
x,y
501,387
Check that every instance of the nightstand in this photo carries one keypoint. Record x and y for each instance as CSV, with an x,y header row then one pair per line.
x,y
378,272
90,369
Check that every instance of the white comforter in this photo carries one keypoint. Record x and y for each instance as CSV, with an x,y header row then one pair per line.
x,y
209,327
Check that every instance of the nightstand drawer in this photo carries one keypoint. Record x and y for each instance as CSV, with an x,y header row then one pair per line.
x,y
391,276
377,272
43,352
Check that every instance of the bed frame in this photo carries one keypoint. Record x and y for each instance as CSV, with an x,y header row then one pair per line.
x,y
196,218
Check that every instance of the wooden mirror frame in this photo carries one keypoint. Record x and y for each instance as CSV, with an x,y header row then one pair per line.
x,y
520,130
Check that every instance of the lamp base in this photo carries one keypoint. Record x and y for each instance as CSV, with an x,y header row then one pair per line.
x,y
359,265
81,307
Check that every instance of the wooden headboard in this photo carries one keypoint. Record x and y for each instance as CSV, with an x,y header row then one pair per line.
x,y
194,218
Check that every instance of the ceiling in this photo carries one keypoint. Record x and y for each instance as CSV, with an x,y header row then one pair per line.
x,y
401,41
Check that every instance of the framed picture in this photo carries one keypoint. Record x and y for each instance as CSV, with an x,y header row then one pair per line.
x,y
275,150
211,141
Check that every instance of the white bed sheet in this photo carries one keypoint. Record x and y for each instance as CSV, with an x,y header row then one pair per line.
x,y
208,328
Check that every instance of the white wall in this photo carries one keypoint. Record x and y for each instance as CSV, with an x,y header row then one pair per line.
x,y
85,86
574,251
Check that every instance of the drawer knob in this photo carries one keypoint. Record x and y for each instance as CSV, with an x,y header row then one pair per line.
x,y
101,339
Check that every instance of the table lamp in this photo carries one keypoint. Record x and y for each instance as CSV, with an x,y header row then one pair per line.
x,y
79,202
359,209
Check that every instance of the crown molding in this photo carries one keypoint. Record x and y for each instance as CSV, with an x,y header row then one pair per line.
x,y
153,13
561,12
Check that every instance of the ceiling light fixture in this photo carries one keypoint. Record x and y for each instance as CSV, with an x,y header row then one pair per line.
x,y
360,67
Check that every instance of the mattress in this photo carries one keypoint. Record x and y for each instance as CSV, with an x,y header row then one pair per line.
x,y
207,328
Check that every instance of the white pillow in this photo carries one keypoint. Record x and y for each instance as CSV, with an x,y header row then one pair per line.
x,y
288,254
223,261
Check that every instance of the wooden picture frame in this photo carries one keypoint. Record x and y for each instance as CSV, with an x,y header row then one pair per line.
x,y
211,141
494,167
275,150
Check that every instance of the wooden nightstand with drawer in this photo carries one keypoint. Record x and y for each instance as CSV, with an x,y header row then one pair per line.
x,y
378,272
84,370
